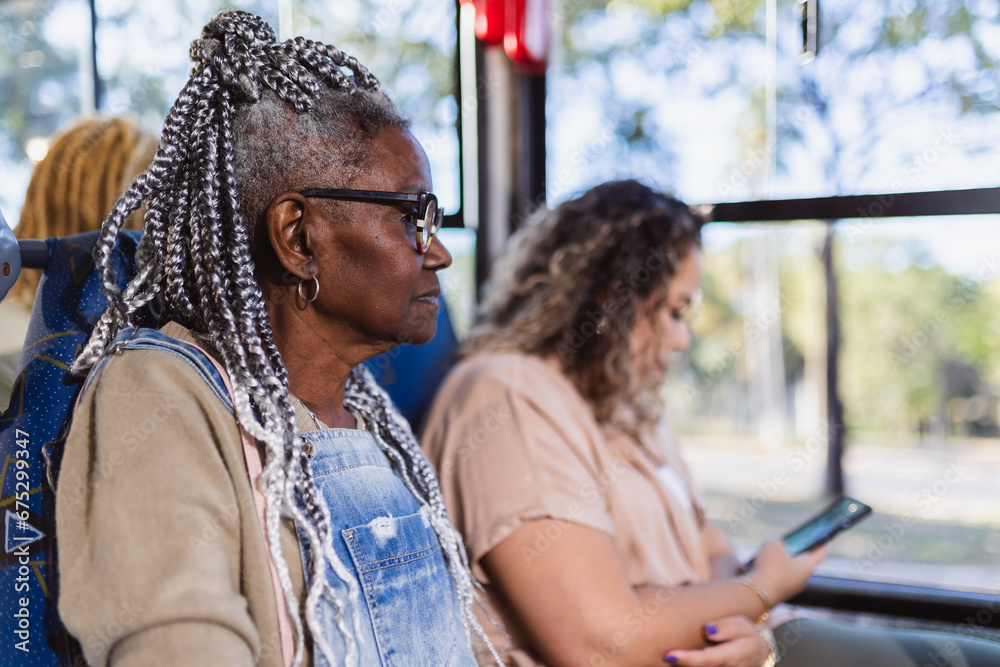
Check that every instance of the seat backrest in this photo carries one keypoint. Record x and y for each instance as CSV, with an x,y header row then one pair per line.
x,y
68,302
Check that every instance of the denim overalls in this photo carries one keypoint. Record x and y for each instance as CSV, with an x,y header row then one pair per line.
x,y
409,613
408,609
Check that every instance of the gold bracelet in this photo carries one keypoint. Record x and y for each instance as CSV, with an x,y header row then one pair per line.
x,y
772,654
759,592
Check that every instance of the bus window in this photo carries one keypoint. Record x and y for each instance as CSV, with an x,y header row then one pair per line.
x,y
141,75
918,370
49,64
41,86
712,99
716,102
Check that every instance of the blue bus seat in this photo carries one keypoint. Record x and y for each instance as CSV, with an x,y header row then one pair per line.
x,y
68,303
411,374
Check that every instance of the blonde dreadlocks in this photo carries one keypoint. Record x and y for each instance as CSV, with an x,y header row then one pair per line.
x,y
75,185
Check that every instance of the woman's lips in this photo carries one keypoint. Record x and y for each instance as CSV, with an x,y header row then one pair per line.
x,y
431,298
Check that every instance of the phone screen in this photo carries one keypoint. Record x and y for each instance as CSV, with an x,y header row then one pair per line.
x,y
821,529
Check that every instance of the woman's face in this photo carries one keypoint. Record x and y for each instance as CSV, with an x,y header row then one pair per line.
x,y
655,336
373,281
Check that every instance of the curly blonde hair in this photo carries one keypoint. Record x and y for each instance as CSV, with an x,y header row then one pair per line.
x,y
574,281
77,183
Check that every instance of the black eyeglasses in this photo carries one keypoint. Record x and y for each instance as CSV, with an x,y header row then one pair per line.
x,y
429,216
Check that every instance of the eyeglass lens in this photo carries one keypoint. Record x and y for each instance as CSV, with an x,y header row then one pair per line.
x,y
431,222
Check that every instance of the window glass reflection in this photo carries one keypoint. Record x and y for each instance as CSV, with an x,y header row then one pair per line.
x,y
903,96
45,83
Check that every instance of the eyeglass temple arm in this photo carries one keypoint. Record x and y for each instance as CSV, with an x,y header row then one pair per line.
x,y
361,194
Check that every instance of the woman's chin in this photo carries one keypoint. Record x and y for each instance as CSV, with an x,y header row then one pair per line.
x,y
421,336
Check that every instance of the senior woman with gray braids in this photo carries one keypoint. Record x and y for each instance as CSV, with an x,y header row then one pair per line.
x,y
578,512
289,236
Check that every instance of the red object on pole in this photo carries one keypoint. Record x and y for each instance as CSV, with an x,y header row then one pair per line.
x,y
527,34
490,20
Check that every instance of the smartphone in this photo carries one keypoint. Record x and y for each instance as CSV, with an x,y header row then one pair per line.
x,y
822,528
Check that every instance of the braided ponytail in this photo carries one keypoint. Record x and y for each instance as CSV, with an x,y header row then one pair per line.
x,y
205,193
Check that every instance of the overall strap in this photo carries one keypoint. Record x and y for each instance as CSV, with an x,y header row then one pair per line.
x,y
151,339
215,375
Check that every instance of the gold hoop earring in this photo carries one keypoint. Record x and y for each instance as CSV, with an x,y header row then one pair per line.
x,y
299,291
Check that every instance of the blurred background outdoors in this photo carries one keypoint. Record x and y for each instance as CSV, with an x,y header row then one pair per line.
x,y
711,100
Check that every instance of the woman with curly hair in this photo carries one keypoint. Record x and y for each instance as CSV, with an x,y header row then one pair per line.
x,y
579,515
235,487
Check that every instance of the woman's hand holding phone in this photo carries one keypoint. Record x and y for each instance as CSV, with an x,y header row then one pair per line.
x,y
782,576
735,641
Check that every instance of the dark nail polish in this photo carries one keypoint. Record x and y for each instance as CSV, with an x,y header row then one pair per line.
x,y
670,659
710,629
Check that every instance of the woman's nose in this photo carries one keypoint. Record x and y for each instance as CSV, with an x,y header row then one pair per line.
x,y
680,336
437,256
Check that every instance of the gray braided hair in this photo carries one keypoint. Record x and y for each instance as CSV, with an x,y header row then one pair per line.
x,y
238,129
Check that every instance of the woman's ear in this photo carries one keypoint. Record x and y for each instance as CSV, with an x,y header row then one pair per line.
x,y
285,218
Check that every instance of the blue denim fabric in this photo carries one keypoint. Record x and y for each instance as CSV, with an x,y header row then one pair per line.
x,y
409,613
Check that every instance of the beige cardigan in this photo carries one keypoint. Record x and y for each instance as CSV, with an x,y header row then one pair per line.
x,y
162,560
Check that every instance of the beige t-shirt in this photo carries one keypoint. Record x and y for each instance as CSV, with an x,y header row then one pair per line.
x,y
515,442
162,560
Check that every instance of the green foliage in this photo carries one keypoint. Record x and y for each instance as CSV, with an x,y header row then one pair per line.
x,y
920,344
37,73
905,30
914,340
887,78
718,325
